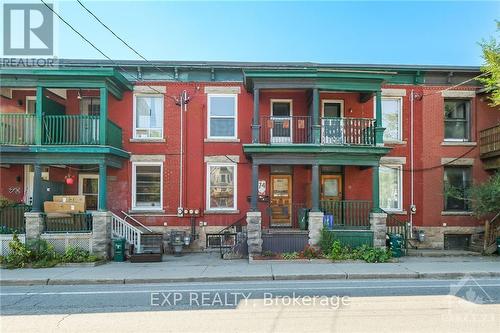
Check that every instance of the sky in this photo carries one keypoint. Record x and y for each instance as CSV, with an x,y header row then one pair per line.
x,y
427,33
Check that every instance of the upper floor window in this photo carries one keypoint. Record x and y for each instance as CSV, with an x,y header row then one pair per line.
x,y
222,116
391,187
457,119
391,118
148,116
456,182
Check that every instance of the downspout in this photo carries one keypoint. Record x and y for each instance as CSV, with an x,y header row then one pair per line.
x,y
412,101
181,152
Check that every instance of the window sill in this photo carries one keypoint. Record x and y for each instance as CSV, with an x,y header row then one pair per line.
x,y
220,140
395,142
456,213
396,212
146,211
148,140
458,143
229,211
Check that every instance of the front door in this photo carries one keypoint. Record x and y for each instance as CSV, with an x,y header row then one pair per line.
x,y
88,186
90,106
281,201
331,196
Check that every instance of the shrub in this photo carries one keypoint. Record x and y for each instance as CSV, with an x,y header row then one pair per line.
x,y
74,254
290,255
19,255
268,253
310,253
326,240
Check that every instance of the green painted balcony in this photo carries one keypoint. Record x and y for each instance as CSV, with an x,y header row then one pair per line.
x,y
68,130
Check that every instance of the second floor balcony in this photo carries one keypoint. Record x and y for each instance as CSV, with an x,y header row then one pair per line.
x,y
332,131
21,129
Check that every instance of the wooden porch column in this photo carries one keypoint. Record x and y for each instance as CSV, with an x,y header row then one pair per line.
x,y
103,115
102,188
315,188
375,190
255,122
38,115
37,188
255,185
379,130
316,127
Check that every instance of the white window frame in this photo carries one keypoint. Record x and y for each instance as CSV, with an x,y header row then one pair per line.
x,y
235,181
134,134
468,117
81,177
400,187
290,102
134,203
337,101
209,116
400,122
29,98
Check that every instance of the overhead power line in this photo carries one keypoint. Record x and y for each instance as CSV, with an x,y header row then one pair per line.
x,y
123,41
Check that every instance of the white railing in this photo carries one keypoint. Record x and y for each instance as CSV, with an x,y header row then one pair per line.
x,y
123,229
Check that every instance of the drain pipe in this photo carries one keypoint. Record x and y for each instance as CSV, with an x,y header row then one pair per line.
x,y
181,151
412,203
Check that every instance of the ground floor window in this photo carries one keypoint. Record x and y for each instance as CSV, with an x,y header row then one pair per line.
x,y
456,182
147,186
391,188
221,186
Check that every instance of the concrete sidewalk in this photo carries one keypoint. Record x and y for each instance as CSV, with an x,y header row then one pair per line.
x,y
208,267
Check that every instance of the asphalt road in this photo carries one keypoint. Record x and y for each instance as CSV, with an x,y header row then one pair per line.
x,y
271,306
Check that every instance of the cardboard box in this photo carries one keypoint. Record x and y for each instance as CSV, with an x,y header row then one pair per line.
x,y
63,207
69,198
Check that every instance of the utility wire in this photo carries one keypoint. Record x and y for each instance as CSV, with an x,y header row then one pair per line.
x,y
99,50
456,85
123,41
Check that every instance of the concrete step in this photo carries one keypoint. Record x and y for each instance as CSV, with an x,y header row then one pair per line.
x,y
441,253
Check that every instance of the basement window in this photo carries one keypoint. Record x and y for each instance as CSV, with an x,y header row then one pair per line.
x,y
147,186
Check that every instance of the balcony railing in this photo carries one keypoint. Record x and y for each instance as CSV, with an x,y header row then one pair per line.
x,y
19,129
296,129
346,214
348,131
489,140
334,131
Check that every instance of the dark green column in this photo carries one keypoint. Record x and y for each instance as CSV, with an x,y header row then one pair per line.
x,y
255,122
379,130
103,116
37,188
315,188
38,115
316,127
375,190
102,187
255,185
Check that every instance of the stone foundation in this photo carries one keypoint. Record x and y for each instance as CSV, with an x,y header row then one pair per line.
x,y
378,224
101,234
434,236
254,233
315,227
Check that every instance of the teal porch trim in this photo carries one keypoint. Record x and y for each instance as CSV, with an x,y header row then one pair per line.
x,y
101,200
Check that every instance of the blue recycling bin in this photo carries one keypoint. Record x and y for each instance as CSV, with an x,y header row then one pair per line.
x,y
328,222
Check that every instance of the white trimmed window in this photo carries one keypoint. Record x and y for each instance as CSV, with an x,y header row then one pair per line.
x,y
147,186
392,114
148,116
391,187
457,120
222,116
221,186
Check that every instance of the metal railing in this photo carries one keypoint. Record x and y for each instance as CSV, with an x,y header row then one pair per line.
x,y
348,131
294,129
396,224
346,214
489,140
12,218
293,212
71,130
491,228
122,229
17,128
74,222
230,238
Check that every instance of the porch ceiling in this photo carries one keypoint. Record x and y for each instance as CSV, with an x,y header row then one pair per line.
x,y
323,79
312,154
89,78
110,156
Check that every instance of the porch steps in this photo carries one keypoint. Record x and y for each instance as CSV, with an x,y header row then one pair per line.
x,y
441,253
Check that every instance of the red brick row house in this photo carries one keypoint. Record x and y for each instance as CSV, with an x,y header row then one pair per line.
x,y
201,146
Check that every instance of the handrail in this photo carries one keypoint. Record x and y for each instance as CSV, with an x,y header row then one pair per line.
x,y
136,221
490,228
396,225
121,228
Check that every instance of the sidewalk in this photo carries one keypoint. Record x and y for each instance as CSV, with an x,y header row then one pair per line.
x,y
208,267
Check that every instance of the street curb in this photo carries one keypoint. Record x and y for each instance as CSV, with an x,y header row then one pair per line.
x,y
280,277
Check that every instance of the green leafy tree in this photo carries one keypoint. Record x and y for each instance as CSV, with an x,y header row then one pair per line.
x,y
491,56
